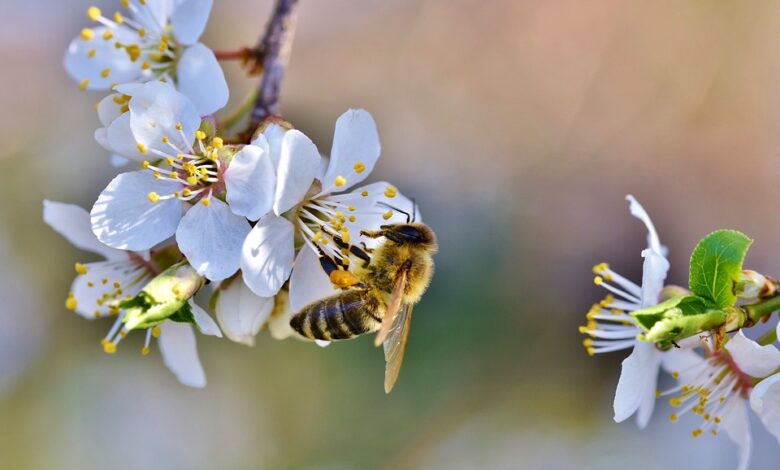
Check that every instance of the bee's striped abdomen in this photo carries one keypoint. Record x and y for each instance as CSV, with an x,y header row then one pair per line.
x,y
341,316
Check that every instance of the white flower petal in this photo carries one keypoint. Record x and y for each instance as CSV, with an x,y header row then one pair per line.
x,y
267,255
274,135
653,242
88,60
153,15
355,141
308,281
124,218
118,161
119,138
200,77
638,378
736,424
203,320
72,222
211,238
298,166
189,20
242,313
90,289
765,401
752,358
250,181
370,214
155,110
108,109
654,271
279,324
180,354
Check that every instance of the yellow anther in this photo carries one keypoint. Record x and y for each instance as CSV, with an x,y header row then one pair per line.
x,y
675,402
360,167
598,280
146,65
206,201
364,193
91,53
696,433
134,51
192,180
200,135
165,139
108,35
70,302
217,142
673,418
600,268
676,374
345,236
608,277
93,13
83,84
142,2
387,215
105,72
81,269
390,192
118,18
144,164
179,126
156,331
87,34
340,181
170,160
186,192
716,420
125,3
104,280
141,32
145,351
109,347
90,284
352,218
142,148
658,394
153,197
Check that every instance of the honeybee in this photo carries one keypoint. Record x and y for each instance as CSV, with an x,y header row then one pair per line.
x,y
378,296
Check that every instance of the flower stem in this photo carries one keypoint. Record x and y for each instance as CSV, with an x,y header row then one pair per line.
x,y
236,54
276,44
246,106
761,309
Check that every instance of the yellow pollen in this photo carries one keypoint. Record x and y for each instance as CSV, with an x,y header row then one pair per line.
x,y
340,181
142,148
104,280
717,420
118,18
165,139
675,402
387,215
658,394
91,53
93,13
105,72
600,268
345,236
146,65
145,351
200,135
598,280
141,32
117,285
156,331
186,192
70,302
206,201
90,284
360,167
109,347
608,277
170,161
153,197
83,84
81,269
352,218
134,51
696,433
126,3
144,164
390,192
87,34
676,375
192,179
217,142
108,35
673,418
179,126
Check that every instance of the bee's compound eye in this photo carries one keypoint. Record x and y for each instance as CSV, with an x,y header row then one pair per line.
x,y
410,233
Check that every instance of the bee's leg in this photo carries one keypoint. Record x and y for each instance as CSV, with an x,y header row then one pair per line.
x,y
373,233
327,263
360,253
339,275
366,248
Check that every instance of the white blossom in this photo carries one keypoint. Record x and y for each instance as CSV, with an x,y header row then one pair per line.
x,y
121,276
151,39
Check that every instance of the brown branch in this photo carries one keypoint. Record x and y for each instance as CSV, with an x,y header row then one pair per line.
x,y
275,44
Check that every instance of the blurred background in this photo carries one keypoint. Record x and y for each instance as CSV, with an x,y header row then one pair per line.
x,y
519,126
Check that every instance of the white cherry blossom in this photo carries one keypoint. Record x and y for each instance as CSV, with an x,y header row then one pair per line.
x,y
121,276
147,40
611,328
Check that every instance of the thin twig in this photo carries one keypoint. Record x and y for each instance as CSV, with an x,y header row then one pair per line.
x,y
276,44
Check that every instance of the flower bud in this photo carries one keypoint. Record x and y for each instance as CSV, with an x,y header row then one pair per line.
x,y
676,319
163,296
752,285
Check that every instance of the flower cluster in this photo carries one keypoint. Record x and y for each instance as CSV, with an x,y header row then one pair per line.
x,y
246,222
720,373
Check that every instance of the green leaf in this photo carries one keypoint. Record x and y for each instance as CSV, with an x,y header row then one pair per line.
x,y
183,315
715,266
677,306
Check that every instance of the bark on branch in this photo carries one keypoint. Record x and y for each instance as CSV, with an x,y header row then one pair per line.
x,y
275,44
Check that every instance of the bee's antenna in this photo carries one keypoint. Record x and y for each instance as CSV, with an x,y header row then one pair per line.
x,y
408,217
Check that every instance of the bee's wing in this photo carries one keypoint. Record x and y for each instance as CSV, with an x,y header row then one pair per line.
x,y
392,308
395,345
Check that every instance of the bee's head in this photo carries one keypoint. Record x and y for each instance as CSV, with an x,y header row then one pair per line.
x,y
410,234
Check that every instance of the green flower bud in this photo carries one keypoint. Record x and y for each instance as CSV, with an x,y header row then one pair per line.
x,y
679,318
163,297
